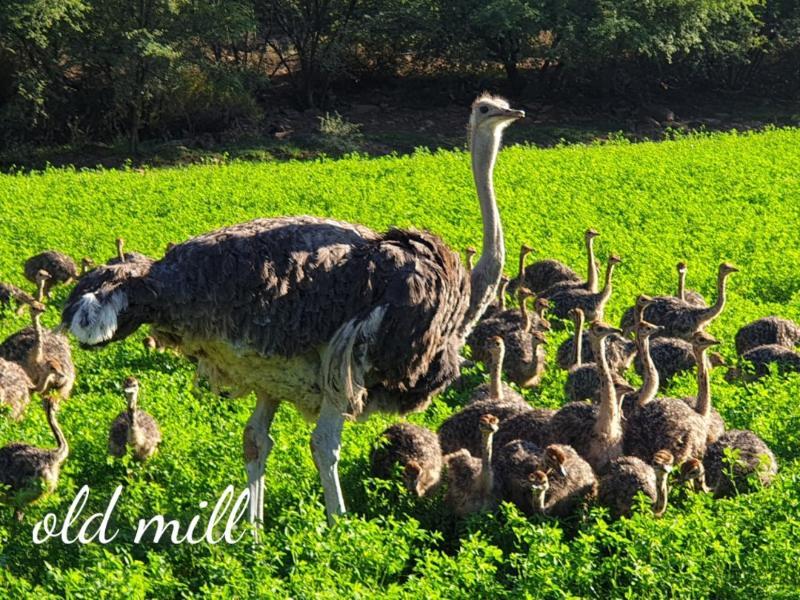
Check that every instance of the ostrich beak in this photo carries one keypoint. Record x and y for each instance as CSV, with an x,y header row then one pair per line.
x,y
514,114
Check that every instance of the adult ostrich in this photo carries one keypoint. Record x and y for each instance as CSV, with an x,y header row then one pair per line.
x,y
333,317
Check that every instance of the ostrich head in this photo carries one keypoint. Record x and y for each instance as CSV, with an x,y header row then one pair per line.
x,y
701,341
694,473
496,348
554,459
418,480
149,343
539,484
600,330
98,310
644,330
55,374
682,267
591,234
726,269
488,424
130,388
663,462
492,114
538,338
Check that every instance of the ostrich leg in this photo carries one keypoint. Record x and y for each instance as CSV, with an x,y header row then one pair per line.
x,y
326,440
257,446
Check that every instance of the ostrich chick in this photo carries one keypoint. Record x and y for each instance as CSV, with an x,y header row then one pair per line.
x,y
59,267
750,461
133,427
45,355
628,475
672,356
414,448
29,473
471,480
571,480
760,359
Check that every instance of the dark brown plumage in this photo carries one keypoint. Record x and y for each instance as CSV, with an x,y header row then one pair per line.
x,y
471,482
593,304
754,462
333,317
29,473
529,426
680,319
673,356
767,331
620,352
571,480
591,282
416,449
15,388
133,427
461,429
543,274
761,358
60,268
627,476
45,355
665,423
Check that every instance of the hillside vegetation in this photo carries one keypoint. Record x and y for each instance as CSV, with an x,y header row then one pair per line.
x,y
702,199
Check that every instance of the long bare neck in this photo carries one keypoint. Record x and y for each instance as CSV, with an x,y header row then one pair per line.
x,y
120,251
39,338
592,277
577,343
41,286
526,317
662,494
496,385
486,274
713,311
650,379
608,416
521,272
538,499
62,448
133,402
682,285
501,295
703,405
487,476
606,293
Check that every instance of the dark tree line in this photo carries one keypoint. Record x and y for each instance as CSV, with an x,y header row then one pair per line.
x,y
104,69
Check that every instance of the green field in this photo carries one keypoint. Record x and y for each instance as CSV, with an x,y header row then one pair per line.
x,y
702,199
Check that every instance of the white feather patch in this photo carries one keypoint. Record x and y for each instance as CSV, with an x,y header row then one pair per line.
x,y
95,321
342,374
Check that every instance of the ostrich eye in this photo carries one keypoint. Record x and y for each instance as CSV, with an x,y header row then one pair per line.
x,y
484,109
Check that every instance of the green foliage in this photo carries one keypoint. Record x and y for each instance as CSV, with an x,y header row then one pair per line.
x,y
700,198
